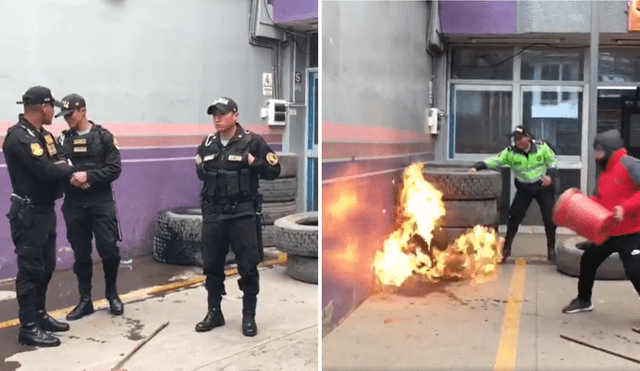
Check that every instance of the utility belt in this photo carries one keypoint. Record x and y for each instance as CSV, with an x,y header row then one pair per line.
x,y
229,208
25,210
221,184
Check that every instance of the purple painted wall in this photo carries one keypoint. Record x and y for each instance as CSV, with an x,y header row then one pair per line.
x,y
152,180
285,11
479,17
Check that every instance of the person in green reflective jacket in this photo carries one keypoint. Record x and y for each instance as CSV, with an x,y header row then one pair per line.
x,y
534,166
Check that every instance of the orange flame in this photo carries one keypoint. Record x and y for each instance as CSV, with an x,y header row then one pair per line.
x,y
473,256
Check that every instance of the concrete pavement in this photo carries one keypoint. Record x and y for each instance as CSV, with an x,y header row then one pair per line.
x,y
456,326
287,318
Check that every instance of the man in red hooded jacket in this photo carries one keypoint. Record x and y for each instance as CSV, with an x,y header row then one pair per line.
x,y
619,191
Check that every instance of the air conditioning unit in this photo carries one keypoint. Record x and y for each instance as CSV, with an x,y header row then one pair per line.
x,y
277,112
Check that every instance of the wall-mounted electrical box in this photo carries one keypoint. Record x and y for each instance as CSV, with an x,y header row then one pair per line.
x,y
277,112
432,120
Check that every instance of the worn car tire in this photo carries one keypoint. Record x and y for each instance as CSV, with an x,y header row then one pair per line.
x,y
276,210
178,237
302,268
457,183
468,213
288,164
279,189
568,261
297,234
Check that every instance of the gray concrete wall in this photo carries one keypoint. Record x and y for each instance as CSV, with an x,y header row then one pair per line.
x,y
135,61
570,16
376,68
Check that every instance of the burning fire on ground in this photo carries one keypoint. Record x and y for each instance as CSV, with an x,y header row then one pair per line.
x,y
474,256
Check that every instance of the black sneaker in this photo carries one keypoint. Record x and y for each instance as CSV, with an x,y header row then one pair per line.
x,y
505,254
551,254
578,305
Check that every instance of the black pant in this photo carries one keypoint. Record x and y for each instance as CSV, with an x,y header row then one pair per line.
x,y
217,235
627,246
36,251
524,195
83,223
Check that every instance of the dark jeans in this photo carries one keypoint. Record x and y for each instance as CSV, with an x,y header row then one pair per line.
x,y
241,235
36,251
545,197
627,246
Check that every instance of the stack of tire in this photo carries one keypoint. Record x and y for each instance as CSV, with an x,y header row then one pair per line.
x,y
470,199
279,196
297,235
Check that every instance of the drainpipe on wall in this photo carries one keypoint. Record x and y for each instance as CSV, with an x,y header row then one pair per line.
x,y
274,44
593,95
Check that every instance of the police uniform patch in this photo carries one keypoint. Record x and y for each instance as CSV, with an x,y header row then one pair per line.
x,y
210,157
272,159
36,150
235,158
115,143
198,159
51,148
80,149
48,139
80,141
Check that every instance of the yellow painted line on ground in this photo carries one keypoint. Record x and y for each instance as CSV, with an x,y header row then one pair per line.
x,y
506,356
97,304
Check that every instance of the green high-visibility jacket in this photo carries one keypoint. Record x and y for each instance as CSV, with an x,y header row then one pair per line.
x,y
527,167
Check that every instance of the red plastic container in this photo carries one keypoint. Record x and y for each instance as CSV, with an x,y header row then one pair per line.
x,y
587,218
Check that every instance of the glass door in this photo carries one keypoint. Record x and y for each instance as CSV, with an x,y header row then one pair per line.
x,y
554,114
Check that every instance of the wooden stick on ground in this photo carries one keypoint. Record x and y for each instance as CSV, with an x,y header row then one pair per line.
x,y
635,329
125,359
602,349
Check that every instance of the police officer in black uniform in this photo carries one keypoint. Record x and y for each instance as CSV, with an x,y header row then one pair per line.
x,y
89,207
36,172
230,162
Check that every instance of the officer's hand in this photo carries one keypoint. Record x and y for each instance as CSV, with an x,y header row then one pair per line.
x,y
546,181
250,158
618,213
472,169
79,179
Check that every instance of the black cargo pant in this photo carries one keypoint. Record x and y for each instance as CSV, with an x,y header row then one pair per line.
x,y
217,236
83,223
627,246
34,237
525,193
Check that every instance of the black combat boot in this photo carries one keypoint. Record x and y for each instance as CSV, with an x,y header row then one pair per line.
x,y
49,323
84,272
31,334
214,317
249,327
111,292
45,321
84,308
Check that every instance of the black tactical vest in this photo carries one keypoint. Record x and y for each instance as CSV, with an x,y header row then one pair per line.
x,y
228,176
